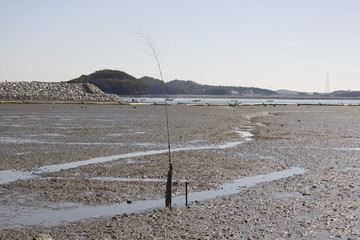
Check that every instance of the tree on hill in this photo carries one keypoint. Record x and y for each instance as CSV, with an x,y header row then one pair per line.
x,y
155,86
218,91
342,93
113,81
190,87
253,90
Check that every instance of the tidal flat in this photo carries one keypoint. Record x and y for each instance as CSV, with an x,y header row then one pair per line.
x,y
68,170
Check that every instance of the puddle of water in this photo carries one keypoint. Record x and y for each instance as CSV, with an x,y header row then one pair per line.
x,y
196,141
134,179
233,187
46,135
34,141
124,134
287,195
15,125
117,134
23,153
54,217
8,176
25,141
348,149
321,148
325,234
115,179
17,141
246,135
347,169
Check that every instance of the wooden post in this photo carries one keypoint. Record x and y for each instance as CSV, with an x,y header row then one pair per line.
x,y
168,188
186,194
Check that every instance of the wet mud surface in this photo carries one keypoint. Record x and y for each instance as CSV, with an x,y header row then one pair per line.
x,y
216,145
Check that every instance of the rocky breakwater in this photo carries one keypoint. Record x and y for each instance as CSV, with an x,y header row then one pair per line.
x,y
57,91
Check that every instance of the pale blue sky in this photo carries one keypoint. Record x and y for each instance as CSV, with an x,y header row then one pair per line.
x,y
277,44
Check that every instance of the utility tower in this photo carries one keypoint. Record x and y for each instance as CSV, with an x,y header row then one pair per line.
x,y
327,88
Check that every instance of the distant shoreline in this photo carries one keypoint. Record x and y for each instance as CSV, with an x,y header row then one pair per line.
x,y
235,104
59,102
244,97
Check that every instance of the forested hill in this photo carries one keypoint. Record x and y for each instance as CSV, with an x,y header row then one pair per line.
x,y
190,87
113,81
121,83
155,87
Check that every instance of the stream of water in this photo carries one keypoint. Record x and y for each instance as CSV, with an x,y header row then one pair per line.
x,y
18,216
8,176
48,217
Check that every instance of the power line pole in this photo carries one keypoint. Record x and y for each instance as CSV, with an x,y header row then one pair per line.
x,y
327,87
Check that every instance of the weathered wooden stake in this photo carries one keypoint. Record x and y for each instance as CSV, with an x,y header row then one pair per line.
x,y
168,188
186,194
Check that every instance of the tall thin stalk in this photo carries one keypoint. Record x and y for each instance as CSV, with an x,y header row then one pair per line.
x,y
155,54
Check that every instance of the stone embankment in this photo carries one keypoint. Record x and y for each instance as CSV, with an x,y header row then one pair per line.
x,y
59,91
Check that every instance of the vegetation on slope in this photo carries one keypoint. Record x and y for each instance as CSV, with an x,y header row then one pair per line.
x,y
342,93
121,83
113,81
190,87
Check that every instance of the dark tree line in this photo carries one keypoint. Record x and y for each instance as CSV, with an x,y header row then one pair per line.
x,y
113,81
121,83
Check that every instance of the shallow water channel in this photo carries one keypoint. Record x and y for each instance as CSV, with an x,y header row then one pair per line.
x,y
19,216
48,217
8,176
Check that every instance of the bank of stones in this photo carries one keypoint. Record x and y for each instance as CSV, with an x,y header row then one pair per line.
x,y
54,91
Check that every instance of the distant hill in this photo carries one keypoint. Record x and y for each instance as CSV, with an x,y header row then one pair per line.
x,y
121,83
287,92
155,86
341,93
113,81
218,90
192,86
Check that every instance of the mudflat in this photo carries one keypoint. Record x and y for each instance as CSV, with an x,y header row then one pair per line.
x,y
61,161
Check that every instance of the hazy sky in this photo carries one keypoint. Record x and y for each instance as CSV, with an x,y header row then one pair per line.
x,y
272,44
